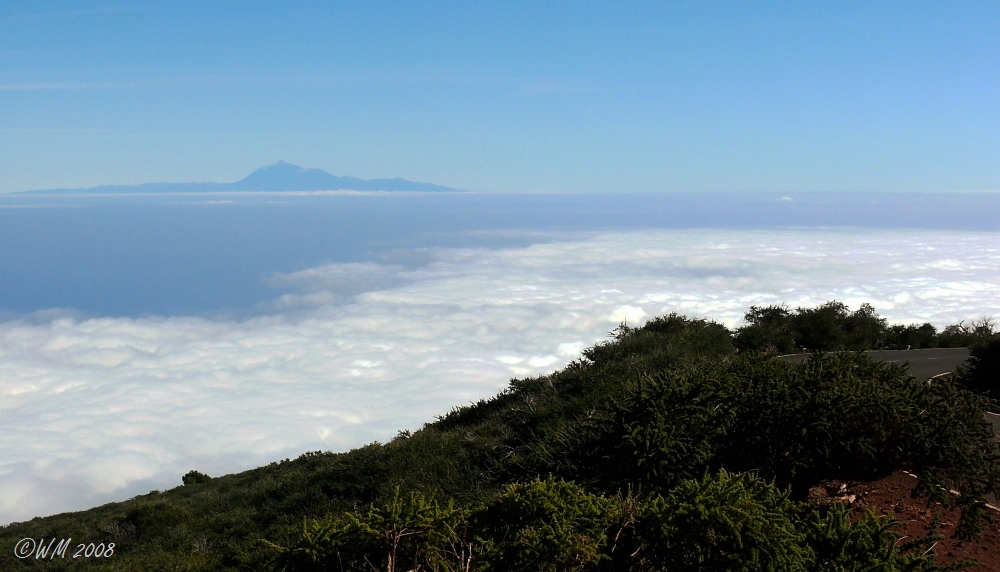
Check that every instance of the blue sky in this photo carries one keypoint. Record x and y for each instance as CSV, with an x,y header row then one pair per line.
x,y
507,97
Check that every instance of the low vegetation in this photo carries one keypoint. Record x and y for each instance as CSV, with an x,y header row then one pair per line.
x,y
833,327
678,445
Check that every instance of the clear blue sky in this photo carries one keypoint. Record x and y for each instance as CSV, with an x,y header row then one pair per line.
x,y
513,97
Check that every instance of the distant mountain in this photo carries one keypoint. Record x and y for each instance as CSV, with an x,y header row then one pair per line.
x,y
279,177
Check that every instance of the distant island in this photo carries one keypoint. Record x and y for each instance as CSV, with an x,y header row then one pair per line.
x,y
280,177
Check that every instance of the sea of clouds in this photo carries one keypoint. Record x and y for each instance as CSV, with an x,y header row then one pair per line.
x,y
102,409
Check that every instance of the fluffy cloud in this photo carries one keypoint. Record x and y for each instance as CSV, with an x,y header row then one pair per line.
x,y
103,409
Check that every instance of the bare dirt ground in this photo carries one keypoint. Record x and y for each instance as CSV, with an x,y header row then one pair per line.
x,y
891,496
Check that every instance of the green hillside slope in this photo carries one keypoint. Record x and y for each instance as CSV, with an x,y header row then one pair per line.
x,y
662,448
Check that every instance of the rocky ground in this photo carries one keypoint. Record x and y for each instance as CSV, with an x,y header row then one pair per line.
x,y
891,496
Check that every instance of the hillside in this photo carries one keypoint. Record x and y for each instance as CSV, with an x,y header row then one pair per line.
x,y
279,177
665,447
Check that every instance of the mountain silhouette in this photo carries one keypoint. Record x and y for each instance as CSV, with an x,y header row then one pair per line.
x,y
279,177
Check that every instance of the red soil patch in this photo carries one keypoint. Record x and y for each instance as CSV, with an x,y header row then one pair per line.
x,y
891,496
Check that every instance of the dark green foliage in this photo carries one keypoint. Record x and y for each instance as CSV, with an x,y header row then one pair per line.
x,y
867,544
833,327
641,417
725,522
829,327
968,335
155,519
900,337
195,478
864,329
404,533
768,328
739,522
324,545
820,329
730,522
982,375
842,416
544,525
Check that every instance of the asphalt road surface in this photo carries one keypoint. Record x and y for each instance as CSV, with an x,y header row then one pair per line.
x,y
922,364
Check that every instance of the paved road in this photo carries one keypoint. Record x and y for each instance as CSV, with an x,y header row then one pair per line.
x,y
922,364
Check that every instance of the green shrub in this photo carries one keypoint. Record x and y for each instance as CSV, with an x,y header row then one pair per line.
x,y
767,328
973,334
867,544
900,337
405,533
820,329
324,545
842,416
155,519
829,327
982,375
740,523
195,478
725,522
549,525
864,329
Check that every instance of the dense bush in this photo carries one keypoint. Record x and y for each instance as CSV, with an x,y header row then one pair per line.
x,y
405,533
833,327
982,375
543,525
195,478
768,328
829,327
722,522
741,523
973,334
900,337
842,416
155,519
725,522
867,544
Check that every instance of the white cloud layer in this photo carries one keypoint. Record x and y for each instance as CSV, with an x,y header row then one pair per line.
x,y
103,409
